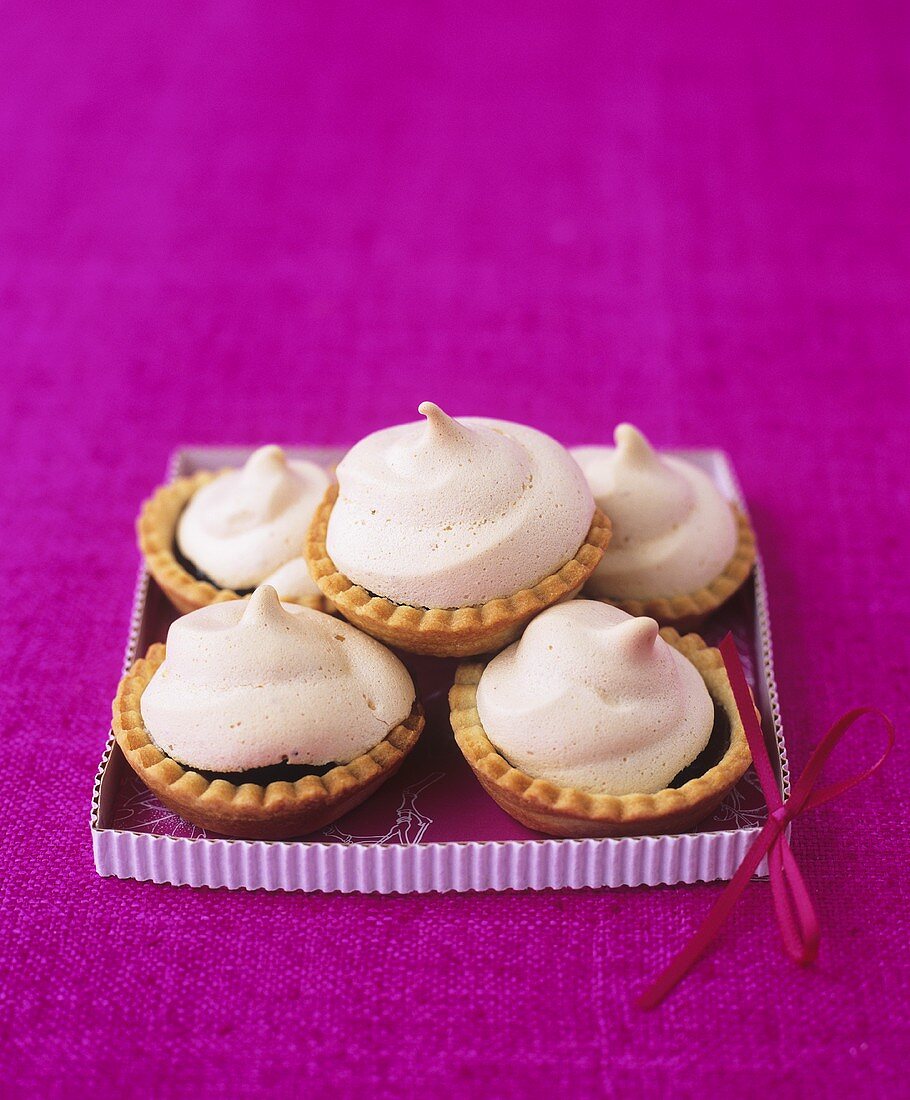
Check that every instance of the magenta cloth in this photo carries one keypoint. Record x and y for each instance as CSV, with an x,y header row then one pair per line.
x,y
796,916
252,222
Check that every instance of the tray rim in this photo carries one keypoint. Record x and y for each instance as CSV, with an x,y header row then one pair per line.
x,y
655,860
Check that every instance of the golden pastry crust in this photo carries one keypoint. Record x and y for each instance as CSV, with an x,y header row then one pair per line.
x,y
254,811
445,632
689,611
156,528
569,812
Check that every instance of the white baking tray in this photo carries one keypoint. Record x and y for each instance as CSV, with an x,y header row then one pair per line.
x,y
431,827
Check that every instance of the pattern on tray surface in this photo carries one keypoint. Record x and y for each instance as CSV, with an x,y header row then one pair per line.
x,y
139,811
408,827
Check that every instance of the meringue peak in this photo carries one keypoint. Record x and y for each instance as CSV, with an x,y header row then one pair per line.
x,y
440,427
265,460
632,445
434,414
264,608
636,637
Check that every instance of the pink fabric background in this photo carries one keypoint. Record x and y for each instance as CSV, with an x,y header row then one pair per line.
x,y
236,222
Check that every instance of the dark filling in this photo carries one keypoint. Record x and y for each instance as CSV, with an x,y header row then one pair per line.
x,y
204,577
274,773
713,752
283,772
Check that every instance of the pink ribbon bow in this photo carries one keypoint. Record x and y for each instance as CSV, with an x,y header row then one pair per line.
x,y
795,913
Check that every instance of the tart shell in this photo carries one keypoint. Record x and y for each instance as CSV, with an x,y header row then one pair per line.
x,y
254,811
689,611
156,529
447,632
569,812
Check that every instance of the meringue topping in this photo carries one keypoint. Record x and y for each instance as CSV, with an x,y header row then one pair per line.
x,y
294,582
592,698
447,513
673,532
241,528
250,683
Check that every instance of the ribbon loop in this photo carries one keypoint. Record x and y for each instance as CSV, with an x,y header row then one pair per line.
x,y
799,926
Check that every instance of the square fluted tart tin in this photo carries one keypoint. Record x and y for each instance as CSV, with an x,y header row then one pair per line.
x,y
432,827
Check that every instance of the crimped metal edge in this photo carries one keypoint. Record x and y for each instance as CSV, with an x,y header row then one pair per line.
x,y
459,867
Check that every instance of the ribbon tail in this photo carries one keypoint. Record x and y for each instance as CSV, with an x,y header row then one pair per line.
x,y
792,903
710,927
796,915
